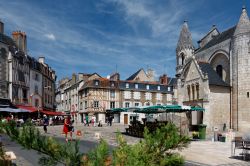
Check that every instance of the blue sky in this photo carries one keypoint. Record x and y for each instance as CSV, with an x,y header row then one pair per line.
x,y
97,35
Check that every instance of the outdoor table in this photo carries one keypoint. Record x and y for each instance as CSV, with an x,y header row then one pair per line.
x,y
246,148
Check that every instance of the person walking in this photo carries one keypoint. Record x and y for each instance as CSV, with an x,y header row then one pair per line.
x,y
110,120
93,121
87,119
45,123
66,127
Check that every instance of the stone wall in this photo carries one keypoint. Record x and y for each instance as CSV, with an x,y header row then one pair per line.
x,y
218,110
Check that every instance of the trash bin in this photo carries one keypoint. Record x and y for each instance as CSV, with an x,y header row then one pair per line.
x,y
202,131
222,138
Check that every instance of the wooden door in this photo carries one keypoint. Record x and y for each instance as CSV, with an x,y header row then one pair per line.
x,y
125,118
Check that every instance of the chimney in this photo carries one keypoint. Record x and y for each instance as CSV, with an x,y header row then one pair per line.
x,y
41,60
164,79
1,27
20,39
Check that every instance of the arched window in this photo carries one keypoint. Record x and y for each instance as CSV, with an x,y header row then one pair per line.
x,y
182,59
193,92
219,70
189,93
197,91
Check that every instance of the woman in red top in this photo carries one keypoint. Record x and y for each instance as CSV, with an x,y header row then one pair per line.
x,y
66,127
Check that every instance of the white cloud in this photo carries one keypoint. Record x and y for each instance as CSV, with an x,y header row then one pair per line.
x,y
50,36
76,47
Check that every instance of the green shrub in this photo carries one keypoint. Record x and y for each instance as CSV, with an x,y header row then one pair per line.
x,y
98,156
158,148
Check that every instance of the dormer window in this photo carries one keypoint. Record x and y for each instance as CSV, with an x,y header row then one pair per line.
x,y
96,83
147,87
158,87
169,88
136,86
127,85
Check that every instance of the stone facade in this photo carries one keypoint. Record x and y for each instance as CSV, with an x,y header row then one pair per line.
x,y
99,95
36,86
220,69
67,94
22,78
3,70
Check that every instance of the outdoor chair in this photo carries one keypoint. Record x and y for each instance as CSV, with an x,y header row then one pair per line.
x,y
246,148
238,144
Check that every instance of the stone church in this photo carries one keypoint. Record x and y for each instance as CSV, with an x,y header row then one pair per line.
x,y
216,76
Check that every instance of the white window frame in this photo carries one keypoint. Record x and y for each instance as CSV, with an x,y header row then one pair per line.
x,y
158,87
169,88
148,96
127,95
137,95
137,104
136,86
96,104
127,85
112,104
112,93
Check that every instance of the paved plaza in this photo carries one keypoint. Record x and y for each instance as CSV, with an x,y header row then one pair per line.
x,y
198,153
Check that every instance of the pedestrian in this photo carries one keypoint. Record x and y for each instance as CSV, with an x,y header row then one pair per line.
x,y
71,127
45,123
66,127
100,123
84,121
107,120
93,120
110,120
87,119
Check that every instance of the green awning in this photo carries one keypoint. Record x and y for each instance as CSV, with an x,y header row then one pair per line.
x,y
118,110
197,108
157,109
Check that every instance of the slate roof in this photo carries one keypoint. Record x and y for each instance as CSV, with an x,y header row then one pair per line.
x,y
103,83
213,77
6,39
153,86
172,81
133,76
218,39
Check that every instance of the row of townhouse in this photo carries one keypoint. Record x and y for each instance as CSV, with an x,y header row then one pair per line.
x,y
25,81
97,95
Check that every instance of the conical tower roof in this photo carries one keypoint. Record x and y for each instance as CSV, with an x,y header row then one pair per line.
x,y
185,39
243,24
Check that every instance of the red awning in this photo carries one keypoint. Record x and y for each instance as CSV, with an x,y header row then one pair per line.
x,y
73,112
28,108
53,113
